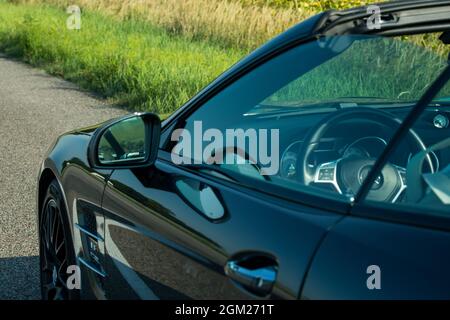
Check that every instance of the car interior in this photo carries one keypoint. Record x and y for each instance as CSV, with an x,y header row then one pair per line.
x,y
337,112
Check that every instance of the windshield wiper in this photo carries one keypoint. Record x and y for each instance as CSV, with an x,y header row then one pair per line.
x,y
273,109
371,99
339,103
442,100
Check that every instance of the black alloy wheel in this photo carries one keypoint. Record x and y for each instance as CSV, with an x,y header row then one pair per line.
x,y
56,249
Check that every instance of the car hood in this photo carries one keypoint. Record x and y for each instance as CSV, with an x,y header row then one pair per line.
x,y
90,129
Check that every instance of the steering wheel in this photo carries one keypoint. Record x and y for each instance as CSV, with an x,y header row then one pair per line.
x,y
347,174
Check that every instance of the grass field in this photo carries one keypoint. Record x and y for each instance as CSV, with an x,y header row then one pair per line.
x,y
131,62
227,23
316,5
155,54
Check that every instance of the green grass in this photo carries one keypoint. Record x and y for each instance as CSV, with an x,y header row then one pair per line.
x,y
133,63
144,67
318,5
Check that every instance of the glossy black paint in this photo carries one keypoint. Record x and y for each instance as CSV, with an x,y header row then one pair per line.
x,y
414,262
152,243
171,245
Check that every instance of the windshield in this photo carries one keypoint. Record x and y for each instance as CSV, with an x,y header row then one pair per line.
x,y
360,70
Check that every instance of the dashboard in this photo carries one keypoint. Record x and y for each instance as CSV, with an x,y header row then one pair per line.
x,y
365,142
330,149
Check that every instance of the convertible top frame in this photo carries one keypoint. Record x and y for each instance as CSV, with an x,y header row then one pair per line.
x,y
397,18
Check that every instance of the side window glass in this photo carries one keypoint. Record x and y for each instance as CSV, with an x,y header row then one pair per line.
x,y
313,119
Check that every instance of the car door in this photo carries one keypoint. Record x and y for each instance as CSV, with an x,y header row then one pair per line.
x,y
161,246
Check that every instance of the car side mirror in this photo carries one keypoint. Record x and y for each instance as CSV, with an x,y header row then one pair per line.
x,y
129,142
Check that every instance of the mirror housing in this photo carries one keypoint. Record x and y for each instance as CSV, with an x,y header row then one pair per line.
x,y
129,142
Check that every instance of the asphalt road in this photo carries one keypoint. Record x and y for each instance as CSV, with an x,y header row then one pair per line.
x,y
34,109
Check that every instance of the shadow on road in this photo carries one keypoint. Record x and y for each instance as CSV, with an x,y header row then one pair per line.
x,y
19,278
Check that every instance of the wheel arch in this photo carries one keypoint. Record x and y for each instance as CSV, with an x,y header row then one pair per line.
x,y
46,177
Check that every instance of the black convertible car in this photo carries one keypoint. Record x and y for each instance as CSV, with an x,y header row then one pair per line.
x,y
351,201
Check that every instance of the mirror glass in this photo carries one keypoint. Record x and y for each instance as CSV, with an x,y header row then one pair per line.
x,y
123,141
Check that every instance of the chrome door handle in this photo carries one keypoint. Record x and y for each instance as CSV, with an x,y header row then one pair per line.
x,y
259,280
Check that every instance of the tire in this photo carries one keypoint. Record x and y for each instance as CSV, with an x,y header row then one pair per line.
x,y
56,251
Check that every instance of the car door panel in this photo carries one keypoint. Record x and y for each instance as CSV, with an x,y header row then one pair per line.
x,y
159,243
413,262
